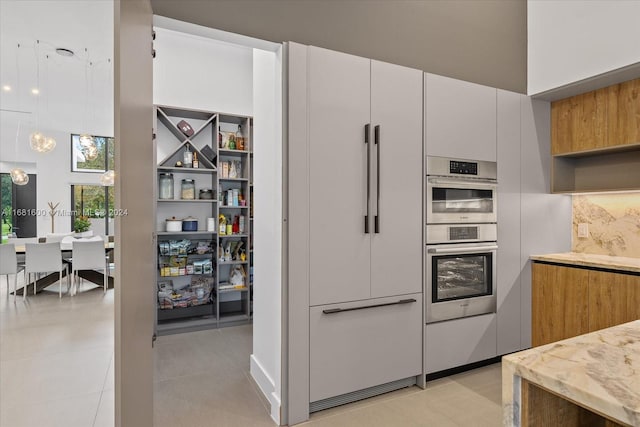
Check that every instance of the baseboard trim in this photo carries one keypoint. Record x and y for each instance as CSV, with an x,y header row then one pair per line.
x,y
459,369
266,386
361,394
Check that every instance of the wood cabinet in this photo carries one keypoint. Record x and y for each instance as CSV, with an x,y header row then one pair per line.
x,y
600,119
595,140
460,119
365,172
560,307
579,123
569,301
613,299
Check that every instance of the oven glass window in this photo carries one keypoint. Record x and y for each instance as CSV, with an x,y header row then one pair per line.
x,y
461,276
458,200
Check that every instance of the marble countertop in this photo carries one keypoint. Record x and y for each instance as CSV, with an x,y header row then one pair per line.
x,y
591,260
599,371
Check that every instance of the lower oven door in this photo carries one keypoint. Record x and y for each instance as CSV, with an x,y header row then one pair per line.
x,y
461,280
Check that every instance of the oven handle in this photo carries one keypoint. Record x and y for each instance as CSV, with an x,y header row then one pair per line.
x,y
342,310
462,250
464,182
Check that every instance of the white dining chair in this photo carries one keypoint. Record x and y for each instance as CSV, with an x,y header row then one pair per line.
x,y
9,265
88,255
44,258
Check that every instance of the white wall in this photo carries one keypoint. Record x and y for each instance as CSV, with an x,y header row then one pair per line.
x,y
267,173
53,169
573,40
200,73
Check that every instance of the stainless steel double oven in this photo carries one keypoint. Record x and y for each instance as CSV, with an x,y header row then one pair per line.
x,y
461,235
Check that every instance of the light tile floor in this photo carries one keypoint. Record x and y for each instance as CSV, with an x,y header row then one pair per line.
x,y
56,369
56,359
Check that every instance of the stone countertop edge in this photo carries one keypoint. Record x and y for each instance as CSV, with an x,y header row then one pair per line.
x,y
598,371
591,260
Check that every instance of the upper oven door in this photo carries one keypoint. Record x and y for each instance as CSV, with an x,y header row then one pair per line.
x,y
451,201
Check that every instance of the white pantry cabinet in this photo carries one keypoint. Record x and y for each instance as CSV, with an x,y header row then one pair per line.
x,y
460,119
365,178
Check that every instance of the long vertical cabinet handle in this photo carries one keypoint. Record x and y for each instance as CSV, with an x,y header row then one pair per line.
x,y
366,145
376,224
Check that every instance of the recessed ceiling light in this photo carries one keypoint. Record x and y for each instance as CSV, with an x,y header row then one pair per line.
x,y
35,91
64,51
6,88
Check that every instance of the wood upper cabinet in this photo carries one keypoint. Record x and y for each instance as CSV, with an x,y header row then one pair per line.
x,y
560,303
613,299
623,113
600,119
570,301
579,123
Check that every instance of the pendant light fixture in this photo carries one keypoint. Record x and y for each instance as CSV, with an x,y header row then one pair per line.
x,y
37,140
107,179
18,175
87,142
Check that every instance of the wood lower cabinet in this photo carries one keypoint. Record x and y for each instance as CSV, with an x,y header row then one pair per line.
x,y
613,299
569,301
560,303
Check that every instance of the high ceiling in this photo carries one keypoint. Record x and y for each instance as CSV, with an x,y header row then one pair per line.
x,y
74,96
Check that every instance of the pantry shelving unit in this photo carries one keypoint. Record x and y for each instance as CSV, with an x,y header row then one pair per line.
x,y
195,289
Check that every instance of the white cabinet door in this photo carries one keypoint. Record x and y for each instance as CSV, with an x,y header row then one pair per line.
x,y
339,103
460,119
459,342
354,350
508,262
396,118
546,218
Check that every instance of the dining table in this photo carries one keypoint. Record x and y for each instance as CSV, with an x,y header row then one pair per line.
x,y
46,281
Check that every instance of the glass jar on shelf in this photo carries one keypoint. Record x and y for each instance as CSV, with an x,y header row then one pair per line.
x,y
188,189
165,186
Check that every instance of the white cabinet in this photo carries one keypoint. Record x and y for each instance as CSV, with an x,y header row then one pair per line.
x,y
545,218
396,244
460,119
354,346
508,262
339,109
459,342
365,173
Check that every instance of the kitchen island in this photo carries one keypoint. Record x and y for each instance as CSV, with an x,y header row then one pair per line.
x,y
588,380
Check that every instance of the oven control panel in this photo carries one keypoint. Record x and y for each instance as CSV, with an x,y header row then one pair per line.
x,y
463,233
463,168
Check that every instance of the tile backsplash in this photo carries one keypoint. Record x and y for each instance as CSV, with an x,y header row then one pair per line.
x,y
613,221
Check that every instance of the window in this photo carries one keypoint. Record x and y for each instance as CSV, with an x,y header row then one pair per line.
x,y
96,203
103,162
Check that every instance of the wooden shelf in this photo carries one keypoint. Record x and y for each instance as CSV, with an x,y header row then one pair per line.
x,y
233,207
226,291
234,153
182,233
176,169
233,263
222,236
187,201
235,179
